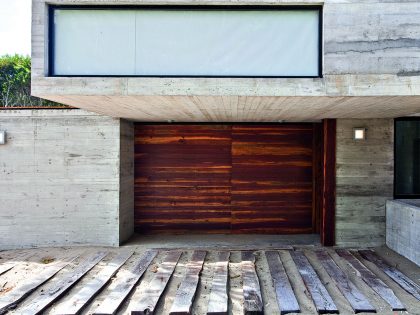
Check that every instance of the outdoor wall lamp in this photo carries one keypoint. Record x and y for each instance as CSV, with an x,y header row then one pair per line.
x,y
359,133
2,136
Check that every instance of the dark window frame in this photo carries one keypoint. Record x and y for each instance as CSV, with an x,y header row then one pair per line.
x,y
401,196
51,33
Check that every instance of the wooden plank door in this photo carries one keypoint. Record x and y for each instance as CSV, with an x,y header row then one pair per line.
x,y
182,178
272,178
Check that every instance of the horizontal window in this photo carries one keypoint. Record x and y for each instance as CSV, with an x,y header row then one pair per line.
x,y
179,41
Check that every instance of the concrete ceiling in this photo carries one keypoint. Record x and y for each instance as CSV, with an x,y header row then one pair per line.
x,y
178,108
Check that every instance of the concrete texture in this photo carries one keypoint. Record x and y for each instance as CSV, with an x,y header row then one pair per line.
x,y
402,228
221,241
126,196
364,181
61,181
370,70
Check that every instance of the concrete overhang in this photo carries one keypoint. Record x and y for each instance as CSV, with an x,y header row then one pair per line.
x,y
237,99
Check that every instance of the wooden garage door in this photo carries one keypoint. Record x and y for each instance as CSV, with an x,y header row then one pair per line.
x,y
272,179
224,178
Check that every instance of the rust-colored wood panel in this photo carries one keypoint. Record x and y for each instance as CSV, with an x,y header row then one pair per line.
x,y
182,178
329,184
227,178
272,178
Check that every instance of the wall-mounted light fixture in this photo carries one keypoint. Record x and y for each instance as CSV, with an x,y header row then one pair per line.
x,y
2,137
359,133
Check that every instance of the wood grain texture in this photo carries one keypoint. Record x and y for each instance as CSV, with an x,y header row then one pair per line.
x,y
272,178
151,295
322,299
403,281
85,294
13,297
218,300
357,300
47,297
124,284
185,294
372,280
182,178
253,303
329,182
286,298
224,178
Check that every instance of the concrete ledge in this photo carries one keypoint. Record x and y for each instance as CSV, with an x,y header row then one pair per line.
x,y
402,232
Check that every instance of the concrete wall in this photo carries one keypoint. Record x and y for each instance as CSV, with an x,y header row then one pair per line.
x,y
126,215
364,181
60,180
402,228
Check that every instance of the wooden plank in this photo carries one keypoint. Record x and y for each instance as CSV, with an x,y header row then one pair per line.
x,y
83,296
253,303
403,281
218,301
329,183
286,298
372,280
185,294
357,300
150,297
322,299
318,176
19,293
124,285
47,297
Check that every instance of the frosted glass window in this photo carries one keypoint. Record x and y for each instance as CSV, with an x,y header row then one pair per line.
x,y
186,42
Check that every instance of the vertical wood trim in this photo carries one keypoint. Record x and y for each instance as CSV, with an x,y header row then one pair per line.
x,y
318,182
329,171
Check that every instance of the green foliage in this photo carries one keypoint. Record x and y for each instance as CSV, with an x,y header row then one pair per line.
x,y
15,83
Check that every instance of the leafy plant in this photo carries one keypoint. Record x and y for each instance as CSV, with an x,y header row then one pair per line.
x,y
15,83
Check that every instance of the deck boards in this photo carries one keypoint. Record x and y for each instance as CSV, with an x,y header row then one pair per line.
x,y
322,299
148,300
13,297
124,285
357,300
106,285
184,296
82,297
372,280
253,303
286,298
47,297
406,283
218,301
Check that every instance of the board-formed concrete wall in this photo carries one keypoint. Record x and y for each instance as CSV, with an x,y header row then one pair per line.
x,y
402,228
364,181
62,180
371,61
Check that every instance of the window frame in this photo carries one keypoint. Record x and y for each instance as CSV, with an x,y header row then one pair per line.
x,y
51,33
401,196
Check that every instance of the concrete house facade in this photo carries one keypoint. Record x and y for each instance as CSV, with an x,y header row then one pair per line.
x,y
261,117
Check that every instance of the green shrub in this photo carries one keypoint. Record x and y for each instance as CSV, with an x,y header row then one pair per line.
x,y
15,83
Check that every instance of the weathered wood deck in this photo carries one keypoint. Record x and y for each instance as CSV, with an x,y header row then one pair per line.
x,y
131,280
